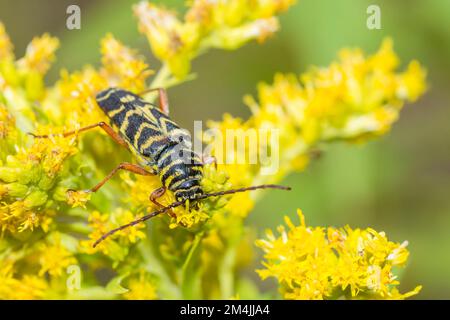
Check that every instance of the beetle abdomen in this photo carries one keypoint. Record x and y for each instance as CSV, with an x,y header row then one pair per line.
x,y
180,171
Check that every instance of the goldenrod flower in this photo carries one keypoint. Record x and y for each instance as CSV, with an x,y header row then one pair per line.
x,y
54,257
24,288
122,66
353,99
319,263
31,180
102,223
170,40
193,251
76,94
39,54
207,24
78,198
141,288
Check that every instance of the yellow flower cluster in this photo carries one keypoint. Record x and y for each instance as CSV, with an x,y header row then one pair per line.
x,y
36,174
31,181
189,252
121,67
353,99
319,263
54,256
224,24
141,288
102,223
39,54
23,288
140,188
27,72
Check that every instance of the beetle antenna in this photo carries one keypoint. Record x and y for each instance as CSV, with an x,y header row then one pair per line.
x,y
179,203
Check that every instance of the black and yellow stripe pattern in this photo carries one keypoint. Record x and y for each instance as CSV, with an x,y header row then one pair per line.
x,y
159,141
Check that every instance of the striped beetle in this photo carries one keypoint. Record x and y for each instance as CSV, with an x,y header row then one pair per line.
x,y
157,142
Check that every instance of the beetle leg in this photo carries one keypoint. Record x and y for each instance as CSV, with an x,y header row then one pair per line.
x,y
123,166
158,193
106,127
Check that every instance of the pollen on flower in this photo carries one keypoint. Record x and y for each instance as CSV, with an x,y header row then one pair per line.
x,y
77,198
116,246
7,123
133,234
39,54
123,66
51,153
19,216
170,40
30,179
353,99
318,263
54,257
207,24
188,217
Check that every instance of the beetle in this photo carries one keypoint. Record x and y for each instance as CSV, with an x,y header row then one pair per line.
x,y
159,145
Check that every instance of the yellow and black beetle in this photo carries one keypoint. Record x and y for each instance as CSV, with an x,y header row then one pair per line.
x,y
161,147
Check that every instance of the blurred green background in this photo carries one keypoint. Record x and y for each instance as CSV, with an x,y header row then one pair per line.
x,y
399,183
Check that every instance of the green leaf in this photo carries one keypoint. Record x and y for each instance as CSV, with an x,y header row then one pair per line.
x,y
115,285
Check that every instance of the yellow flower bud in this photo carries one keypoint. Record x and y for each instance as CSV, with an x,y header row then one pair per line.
x,y
412,82
46,183
315,263
9,174
35,199
16,190
9,72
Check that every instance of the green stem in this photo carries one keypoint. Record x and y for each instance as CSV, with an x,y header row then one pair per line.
x,y
165,79
190,278
161,77
197,240
226,273
167,288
